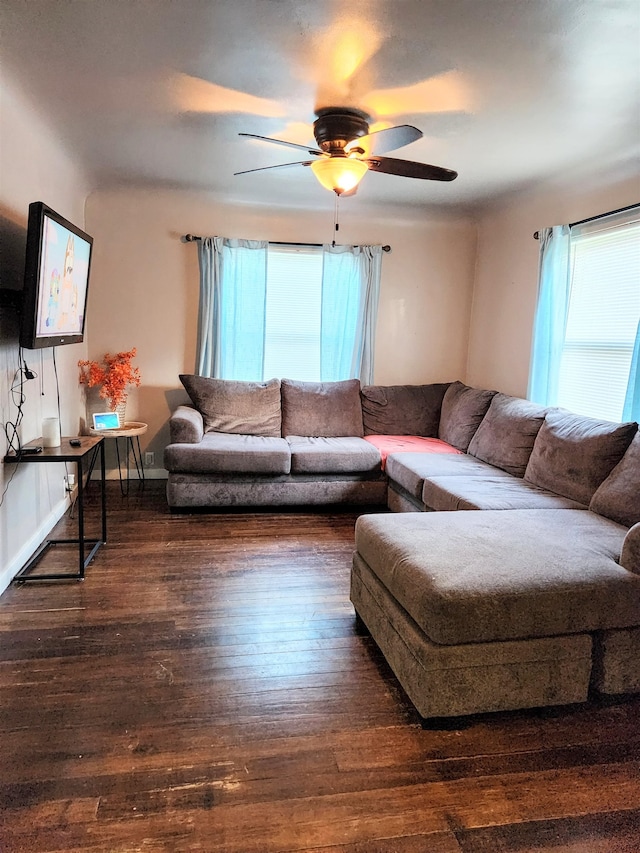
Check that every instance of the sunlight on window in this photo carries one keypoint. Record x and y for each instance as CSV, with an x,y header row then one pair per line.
x,y
293,311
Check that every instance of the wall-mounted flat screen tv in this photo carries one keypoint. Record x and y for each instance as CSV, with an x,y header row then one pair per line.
x,y
56,280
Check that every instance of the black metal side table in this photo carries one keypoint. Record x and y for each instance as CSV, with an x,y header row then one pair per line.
x,y
89,446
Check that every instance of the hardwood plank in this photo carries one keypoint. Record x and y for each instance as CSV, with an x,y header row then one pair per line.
x,y
207,689
434,842
613,832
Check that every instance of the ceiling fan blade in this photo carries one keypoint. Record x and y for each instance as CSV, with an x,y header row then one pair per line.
x,y
388,139
410,169
306,148
277,166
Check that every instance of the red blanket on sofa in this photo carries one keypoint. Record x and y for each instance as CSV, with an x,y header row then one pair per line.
x,y
387,444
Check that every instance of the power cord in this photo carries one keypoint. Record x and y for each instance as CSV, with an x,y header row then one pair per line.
x,y
28,374
22,374
11,428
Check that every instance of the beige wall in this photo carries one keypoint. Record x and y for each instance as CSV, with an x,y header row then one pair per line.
x,y
506,279
144,289
33,167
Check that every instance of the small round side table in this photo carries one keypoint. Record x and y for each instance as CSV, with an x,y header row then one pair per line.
x,y
131,432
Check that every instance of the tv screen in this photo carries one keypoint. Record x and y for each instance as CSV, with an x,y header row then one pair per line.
x,y
56,280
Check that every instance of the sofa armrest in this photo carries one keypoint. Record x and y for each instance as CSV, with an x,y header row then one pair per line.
x,y
630,557
186,426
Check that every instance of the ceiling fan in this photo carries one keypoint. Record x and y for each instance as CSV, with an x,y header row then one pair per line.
x,y
347,151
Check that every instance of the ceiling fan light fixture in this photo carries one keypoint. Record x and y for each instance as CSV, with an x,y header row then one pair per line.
x,y
339,174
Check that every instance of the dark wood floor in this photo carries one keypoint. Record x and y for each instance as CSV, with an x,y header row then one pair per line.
x,y
206,689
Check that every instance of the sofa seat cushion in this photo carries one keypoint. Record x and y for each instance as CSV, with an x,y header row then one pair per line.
x,y
490,492
618,497
572,454
507,432
410,470
321,408
387,444
402,409
246,408
463,408
219,453
484,576
333,455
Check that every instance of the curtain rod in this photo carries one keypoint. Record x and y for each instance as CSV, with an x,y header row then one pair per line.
x,y
536,234
191,238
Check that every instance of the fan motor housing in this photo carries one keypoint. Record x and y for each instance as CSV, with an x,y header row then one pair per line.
x,y
336,126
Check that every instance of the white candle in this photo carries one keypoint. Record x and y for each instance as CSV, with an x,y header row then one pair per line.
x,y
51,432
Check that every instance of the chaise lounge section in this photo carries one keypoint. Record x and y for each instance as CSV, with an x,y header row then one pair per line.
x,y
512,606
499,610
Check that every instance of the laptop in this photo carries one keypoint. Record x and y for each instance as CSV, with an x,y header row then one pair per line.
x,y
106,420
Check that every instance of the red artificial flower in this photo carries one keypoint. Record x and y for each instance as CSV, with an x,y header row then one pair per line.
x,y
114,374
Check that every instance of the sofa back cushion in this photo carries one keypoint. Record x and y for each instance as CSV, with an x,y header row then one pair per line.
x,y
402,409
462,410
246,408
507,432
573,454
618,497
321,408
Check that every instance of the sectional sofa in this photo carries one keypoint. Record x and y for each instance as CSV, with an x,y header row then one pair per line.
x,y
532,600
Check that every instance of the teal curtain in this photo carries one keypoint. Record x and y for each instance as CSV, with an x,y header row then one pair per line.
x,y
554,288
350,295
231,315
370,270
631,410
209,257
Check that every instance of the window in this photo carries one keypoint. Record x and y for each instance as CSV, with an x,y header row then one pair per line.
x,y
292,313
602,320
586,341
300,312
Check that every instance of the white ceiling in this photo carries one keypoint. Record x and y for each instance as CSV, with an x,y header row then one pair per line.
x,y
507,92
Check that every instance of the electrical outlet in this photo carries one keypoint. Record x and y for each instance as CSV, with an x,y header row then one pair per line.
x,y
149,458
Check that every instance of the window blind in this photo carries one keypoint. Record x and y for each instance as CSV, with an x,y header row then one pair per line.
x,y
293,312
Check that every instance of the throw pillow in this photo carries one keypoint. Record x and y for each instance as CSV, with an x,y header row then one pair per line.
x,y
572,454
462,410
507,432
321,408
246,408
618,497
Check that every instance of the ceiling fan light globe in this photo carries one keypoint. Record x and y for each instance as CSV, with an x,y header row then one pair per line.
x,y
339,174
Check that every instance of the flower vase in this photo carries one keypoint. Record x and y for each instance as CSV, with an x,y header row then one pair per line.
x,y
121,409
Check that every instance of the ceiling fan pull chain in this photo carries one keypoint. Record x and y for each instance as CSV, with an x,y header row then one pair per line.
x,y
336,224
